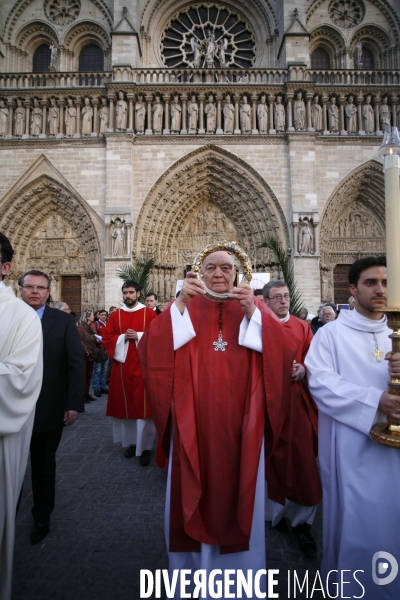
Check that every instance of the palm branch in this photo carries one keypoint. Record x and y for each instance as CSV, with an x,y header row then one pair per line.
x,y
296,302
139,271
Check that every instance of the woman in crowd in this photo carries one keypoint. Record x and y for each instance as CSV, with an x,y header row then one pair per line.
x,y
87,333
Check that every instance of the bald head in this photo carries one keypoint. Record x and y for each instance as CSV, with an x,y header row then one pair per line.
x,y
219,271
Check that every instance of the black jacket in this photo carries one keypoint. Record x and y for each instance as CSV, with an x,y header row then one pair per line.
x,y
63,383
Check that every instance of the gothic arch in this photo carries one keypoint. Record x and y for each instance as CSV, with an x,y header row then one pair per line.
x,y
331,40
33,35
83,33
215,178
373,38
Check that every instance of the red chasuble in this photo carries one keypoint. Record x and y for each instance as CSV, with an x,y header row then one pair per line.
x,y
126,395
219,410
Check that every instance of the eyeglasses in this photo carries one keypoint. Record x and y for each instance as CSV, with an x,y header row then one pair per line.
x,y
39,288
279,297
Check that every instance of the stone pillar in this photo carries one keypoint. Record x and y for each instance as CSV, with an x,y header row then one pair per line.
x,y
272,131
61,105
360,100
95,131
316,238
184,114
342,128
296,237
201,115
44,121
77,133
289,119
149,130
219,120
309,97
237,124
167,130
394,111
10,104
130,97
110,127
254,129
377,119
325,115
27,104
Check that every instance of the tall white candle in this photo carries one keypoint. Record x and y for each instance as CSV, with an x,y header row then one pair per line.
x,y
392,207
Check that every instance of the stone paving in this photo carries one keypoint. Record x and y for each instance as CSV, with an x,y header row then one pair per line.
x,y
108,524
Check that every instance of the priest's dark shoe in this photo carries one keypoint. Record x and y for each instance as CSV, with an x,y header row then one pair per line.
x,y
306,541
282,526
130,452
104,390
145,458
97,393
39,531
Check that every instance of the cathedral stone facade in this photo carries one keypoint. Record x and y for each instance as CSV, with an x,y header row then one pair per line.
x,y
160,126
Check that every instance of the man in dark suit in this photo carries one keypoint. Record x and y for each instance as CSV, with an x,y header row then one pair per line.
x,y
151,302
61,395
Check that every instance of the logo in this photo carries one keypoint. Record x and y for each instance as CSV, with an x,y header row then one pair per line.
x,y
380,566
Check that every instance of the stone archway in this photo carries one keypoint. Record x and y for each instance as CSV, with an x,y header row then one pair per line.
x,y
51,230
352,225
207,196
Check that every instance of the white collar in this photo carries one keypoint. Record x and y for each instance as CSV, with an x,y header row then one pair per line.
x,y
353,319
138,306
285,319
2,285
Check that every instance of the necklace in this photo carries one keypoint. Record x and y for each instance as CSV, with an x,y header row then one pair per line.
x,y
220,344
378,353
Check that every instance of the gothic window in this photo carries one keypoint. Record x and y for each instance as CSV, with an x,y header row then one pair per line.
x,y
91,58
367,60
319,59
41,59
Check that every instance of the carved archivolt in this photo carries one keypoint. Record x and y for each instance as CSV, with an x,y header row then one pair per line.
x,y
33,35
329,39
207,196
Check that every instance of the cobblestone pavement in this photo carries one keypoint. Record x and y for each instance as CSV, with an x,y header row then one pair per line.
x,y
108,524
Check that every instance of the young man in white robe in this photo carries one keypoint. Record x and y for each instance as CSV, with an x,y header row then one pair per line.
x,y
361,484
21,368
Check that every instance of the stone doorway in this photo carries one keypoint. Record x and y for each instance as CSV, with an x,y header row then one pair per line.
x,y
341,284
71,292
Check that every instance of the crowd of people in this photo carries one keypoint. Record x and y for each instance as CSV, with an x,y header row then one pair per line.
x,y
243,397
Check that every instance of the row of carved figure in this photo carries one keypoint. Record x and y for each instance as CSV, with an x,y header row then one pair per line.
x,y
27,118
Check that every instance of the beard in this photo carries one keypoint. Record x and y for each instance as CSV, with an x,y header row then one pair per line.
x,y
130,302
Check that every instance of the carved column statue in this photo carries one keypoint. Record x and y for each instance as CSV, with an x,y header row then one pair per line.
x,y
384,115
121,113
70,118
280,117
140,115
36,118
53,117
333,116
245,116
19,118
326,283
368,116
299,113
111,99
176,115
193,115
3,118
211,115
158,111
87,116
316,115
229,115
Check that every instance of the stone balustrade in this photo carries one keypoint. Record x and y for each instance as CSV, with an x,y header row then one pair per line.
x,y
354,77
53,80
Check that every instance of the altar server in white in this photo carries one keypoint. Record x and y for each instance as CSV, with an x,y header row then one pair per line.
x,y
361,483
21,368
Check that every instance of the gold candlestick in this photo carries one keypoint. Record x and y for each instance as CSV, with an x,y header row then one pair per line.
x,y
388,433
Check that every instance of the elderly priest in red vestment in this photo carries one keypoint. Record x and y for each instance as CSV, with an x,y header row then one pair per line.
x,y
127,402
216,374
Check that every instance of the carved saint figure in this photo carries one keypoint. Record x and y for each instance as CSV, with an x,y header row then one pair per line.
x,y
70,118
305,238
53,57
222,48
368,116
279,114
245,120
140,114
104,115
262,115
118,238
333,116
87,116
299,111
3,118
351,116
197,51
158,111
53,117
211,49
325,286
316,114
384,115
358,53
176,114
193,112
211,115
122,113
19,118
229,115
36,118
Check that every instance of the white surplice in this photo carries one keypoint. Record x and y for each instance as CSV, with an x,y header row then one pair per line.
x,y
209,557
21,371
361,479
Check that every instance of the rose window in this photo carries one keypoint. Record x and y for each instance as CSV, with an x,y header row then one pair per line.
x,y
62,12
208,36
346,13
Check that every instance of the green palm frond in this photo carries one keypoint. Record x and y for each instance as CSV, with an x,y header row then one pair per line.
x,y
296,302
139,271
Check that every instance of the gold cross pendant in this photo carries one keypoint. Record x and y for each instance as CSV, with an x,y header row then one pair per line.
x,y
378,354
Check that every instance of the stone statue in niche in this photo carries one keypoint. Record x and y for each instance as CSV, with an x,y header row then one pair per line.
x,y
176,114
222,48
140,115
104,115
299,112
87,116
168,287
229,115
122,113
53,57
368,116
384,115
262,115
211,115
55,227
19,118
305,238
158,111
53,117
279,114
316,114
118,238
245,119
3,118
197,51
333,116
211,49
193,112
351,116
70,118
36,118
326,283
358,53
